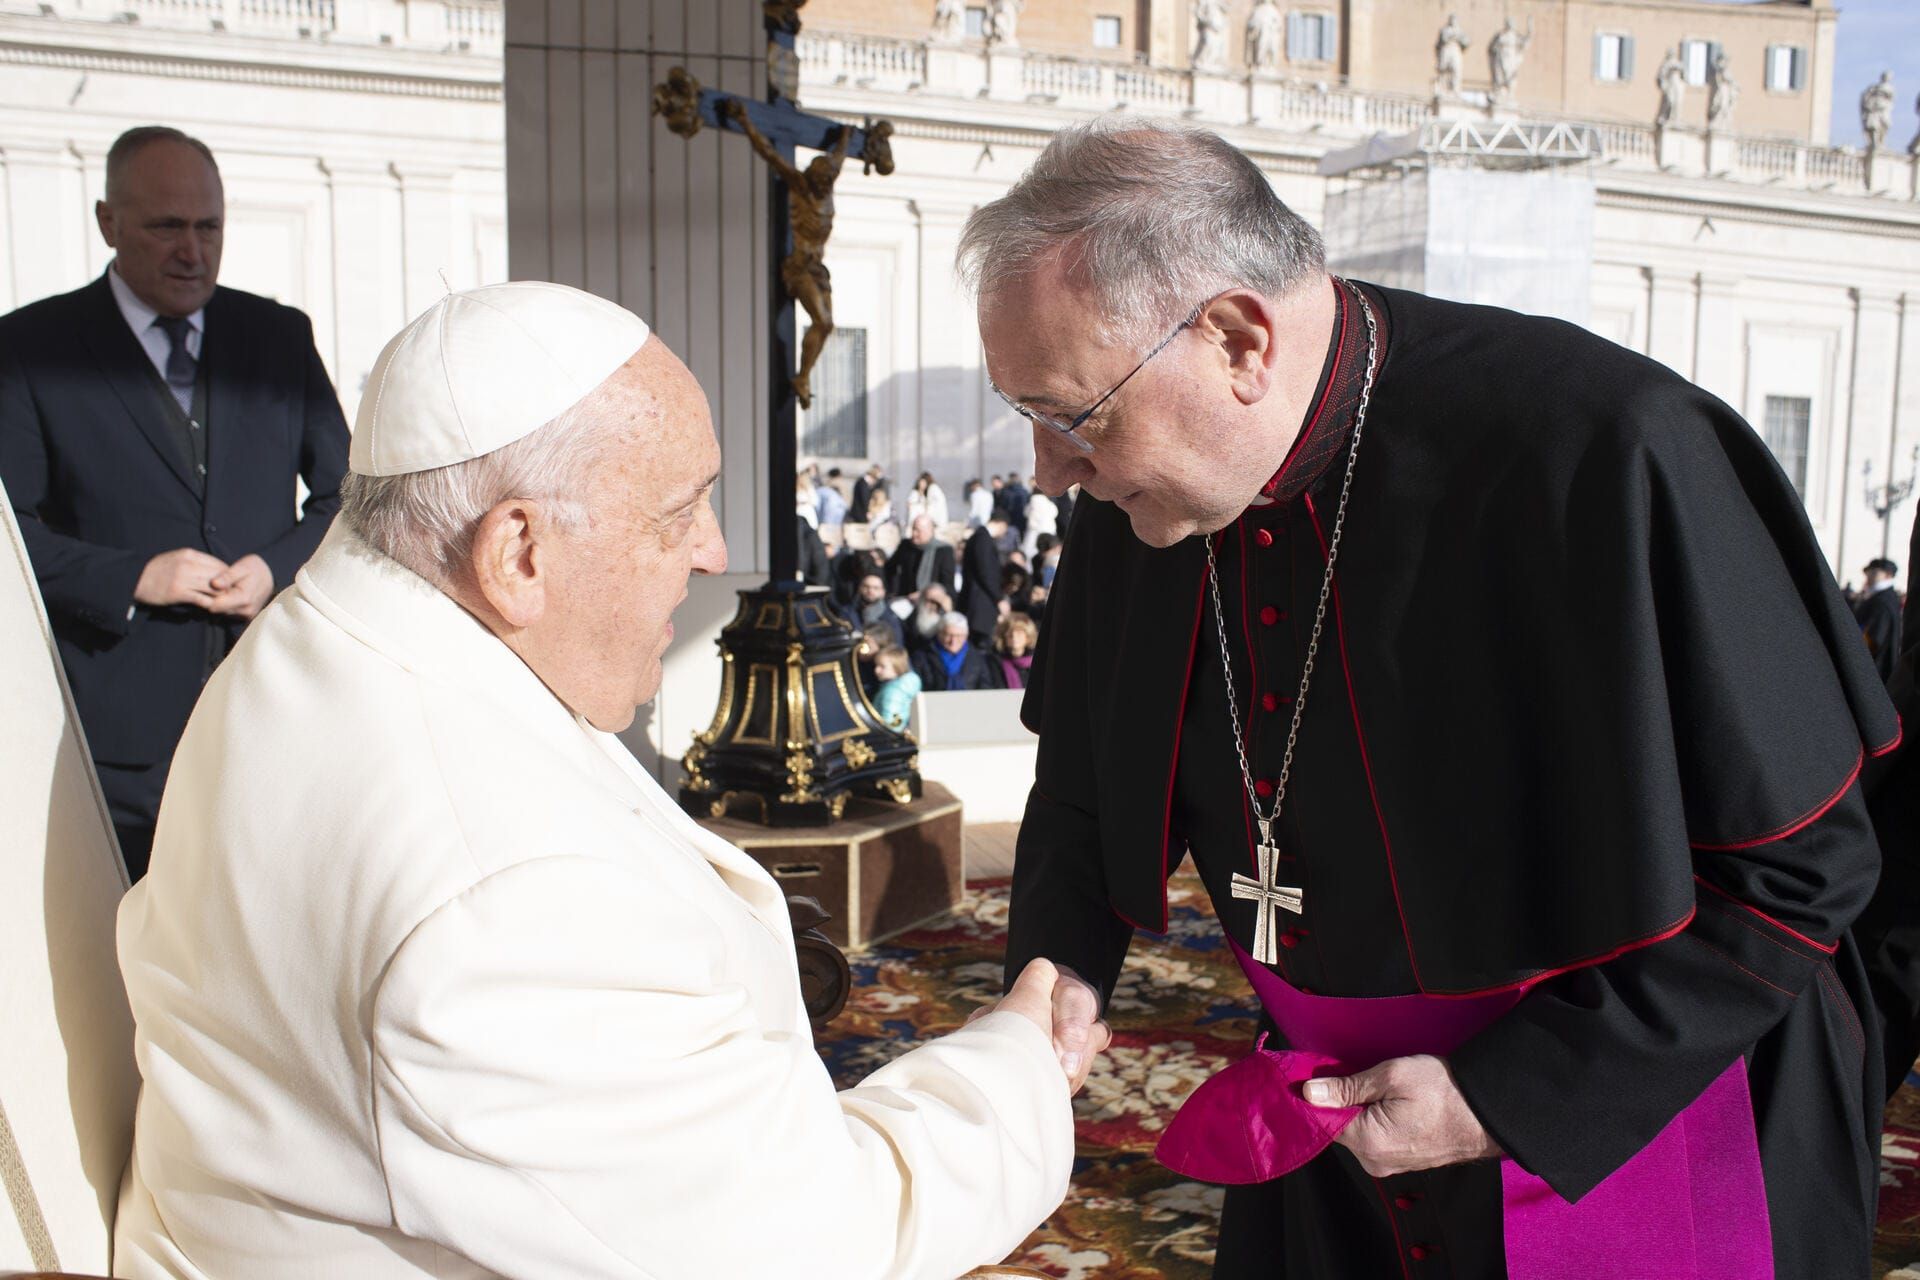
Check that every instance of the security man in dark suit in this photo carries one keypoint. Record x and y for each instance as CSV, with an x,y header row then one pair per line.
x,y
1877,610
152,429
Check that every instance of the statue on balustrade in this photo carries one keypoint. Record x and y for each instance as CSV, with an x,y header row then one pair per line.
x,y
1913,148
949,21
1876,111
1722,93
1264,28
1448,49
1672,81
1003,19
1209,35
1504,55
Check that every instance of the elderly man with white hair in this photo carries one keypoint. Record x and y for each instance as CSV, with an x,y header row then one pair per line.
x,y
431,979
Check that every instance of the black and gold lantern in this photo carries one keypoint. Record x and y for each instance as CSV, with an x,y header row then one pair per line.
x,y
794,735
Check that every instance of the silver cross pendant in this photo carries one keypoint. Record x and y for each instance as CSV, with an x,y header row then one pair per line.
x,y
1268,898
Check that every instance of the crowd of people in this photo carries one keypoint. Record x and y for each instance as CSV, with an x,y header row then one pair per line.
x,y
943,600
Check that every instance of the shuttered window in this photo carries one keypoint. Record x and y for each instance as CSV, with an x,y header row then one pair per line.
x,y
1313,37
1788,420
836,425
1612,57
1786,68
1696,56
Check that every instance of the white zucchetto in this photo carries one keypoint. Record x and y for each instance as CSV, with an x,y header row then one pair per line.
x,y
480,369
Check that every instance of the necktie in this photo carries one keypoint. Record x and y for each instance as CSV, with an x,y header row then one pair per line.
x,y
181,366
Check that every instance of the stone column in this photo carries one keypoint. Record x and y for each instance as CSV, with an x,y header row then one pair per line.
x,y
48,219
426,229
1716,346
1670,318
946,404
1869,418
364,211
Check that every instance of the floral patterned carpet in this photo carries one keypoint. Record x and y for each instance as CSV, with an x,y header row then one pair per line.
x,y
1180,1012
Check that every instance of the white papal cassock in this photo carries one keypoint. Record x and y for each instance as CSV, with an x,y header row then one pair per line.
x,y
431,979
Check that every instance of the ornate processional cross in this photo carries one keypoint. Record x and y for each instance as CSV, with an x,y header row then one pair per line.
x,y
1268,898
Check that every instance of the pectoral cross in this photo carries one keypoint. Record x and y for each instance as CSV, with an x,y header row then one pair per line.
x,y
1268,897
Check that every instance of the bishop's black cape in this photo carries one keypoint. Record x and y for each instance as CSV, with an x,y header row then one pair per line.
x,y
1588,709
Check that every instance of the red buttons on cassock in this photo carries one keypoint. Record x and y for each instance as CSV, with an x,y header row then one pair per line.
x,y
1270,701
1403,1203
1290,939
1420,1253
1263,537
1269,616
1263,788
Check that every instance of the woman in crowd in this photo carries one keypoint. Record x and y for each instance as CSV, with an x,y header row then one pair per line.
x,y
927,499
1013,640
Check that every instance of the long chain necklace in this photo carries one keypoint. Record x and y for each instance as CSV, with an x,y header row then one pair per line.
x,y
1270,898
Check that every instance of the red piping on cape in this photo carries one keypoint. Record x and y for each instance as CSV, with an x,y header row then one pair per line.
x,y
1359,735
1798,824
1672,930
1899,732
1786,929
1399,1250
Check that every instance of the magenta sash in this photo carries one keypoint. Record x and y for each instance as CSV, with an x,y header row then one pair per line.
x,y
1692,1205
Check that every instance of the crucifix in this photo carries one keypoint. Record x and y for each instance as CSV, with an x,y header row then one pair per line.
x,y
793,737
800,219
1269,899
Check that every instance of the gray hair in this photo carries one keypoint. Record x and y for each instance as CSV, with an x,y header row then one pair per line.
x,y
426,520
955,619
1157,217
135,140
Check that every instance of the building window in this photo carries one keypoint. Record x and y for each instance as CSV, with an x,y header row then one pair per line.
x,y
1612,57
836,425
1786,434
1312,37
1106,33
977,23
1696,56
1786,68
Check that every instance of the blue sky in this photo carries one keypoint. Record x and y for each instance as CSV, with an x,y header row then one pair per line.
x,y
1876,36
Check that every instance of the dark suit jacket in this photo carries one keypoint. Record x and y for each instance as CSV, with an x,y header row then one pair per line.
x,y
1879,617
903,567
980,586
100,486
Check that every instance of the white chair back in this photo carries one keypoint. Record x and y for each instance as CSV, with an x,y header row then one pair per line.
x,y
67,1076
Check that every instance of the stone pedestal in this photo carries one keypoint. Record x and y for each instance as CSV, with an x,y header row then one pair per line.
x,y
1006,74
1218,97
956,70
1722,154
880,870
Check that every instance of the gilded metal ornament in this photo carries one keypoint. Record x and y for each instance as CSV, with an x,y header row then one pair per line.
x,y
677,101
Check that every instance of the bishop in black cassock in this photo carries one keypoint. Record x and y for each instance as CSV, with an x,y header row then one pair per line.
x,y
1590,713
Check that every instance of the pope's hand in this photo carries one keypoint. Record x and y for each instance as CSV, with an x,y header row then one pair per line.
x,y
1066,1008
1415,1117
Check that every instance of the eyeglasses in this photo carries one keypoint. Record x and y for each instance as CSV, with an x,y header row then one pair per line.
x,y
1070,428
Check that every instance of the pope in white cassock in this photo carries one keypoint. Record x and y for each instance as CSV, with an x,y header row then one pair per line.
x,y
431,979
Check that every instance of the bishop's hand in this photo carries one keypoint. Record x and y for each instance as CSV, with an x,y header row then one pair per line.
x,y
1063,1005
1415,1117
